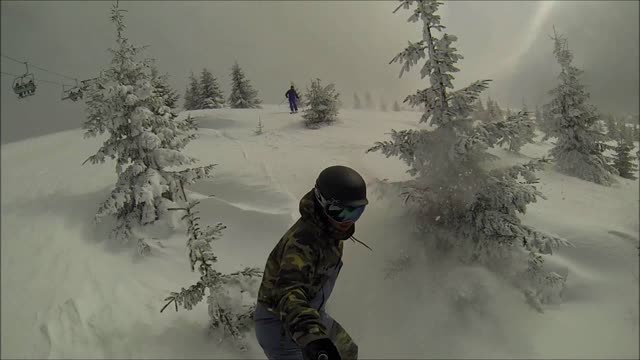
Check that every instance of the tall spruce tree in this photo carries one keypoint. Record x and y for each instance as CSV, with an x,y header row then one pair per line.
x,y
210,96
144,139
160,83
459,205
623,162
578,149
368,100
243,95
383,105
321,105
192,94
357,104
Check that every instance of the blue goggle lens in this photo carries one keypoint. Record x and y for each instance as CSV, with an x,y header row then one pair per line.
x,y
343,214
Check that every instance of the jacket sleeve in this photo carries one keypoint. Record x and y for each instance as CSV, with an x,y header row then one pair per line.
x,y
300,320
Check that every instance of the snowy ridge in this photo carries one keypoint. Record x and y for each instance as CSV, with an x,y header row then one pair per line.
x,y
83,297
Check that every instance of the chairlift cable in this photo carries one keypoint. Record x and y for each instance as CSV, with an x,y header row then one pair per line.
x,y
39,80
38,67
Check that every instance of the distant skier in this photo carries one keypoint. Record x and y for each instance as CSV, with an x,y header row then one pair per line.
x,y
290,317
292,95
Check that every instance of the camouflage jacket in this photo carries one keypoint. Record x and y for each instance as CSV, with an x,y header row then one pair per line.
x,y
304,260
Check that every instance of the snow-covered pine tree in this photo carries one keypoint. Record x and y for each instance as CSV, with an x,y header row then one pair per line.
x,y
546,123
210,96
493,111
368,100
479,112
192,94
162,88
396,106
383,105
321,105
599,127
357,104
525,131
612,127
508,113
623,162
578,149
538,116
225,291
625,132
459,205
525,109
243,95
499,112
144,139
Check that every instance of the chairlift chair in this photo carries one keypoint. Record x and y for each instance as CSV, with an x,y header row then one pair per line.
x,y
71,92
24,85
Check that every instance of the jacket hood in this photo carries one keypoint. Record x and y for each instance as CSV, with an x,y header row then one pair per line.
x,y
312,212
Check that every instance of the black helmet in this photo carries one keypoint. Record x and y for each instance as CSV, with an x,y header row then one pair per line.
x,y
342,185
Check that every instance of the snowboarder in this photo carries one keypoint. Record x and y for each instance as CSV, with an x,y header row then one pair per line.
x,y
290,317
292,95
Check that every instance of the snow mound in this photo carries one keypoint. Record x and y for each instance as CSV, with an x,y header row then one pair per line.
x,y
69,293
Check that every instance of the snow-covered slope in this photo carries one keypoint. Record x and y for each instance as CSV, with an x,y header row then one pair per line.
x,y
66,293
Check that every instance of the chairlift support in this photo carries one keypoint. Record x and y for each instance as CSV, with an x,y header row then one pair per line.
x,y
24,85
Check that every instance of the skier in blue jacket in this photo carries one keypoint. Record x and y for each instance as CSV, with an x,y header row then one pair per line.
x,y
292,95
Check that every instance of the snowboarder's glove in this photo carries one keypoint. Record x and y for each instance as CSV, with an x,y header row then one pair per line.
x,y
316,348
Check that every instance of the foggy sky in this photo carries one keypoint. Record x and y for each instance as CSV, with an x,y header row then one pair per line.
x,y
348,43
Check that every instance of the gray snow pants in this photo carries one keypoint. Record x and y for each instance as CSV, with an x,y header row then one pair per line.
x,y
278,345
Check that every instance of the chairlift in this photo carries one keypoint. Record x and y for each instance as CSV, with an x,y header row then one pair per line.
x,y
71,92
86,84
24,85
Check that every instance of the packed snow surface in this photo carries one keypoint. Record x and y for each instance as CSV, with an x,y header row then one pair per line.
x,y
69,293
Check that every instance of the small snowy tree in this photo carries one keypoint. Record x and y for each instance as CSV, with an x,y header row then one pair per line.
x,y
210,96
623,162
612,127
494,113
357,104
162,88
228,311
460,206
192,94
625,132
599,127
508,113
524,132
525,109
578,149
383,105
243,95
546,122
144,139
321,105
260,127
368,100
479,112
396,106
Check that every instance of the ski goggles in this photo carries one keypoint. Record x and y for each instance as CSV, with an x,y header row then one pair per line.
x,y
345,213
337,211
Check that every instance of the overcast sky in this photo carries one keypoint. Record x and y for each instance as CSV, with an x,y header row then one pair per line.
x,y
348,43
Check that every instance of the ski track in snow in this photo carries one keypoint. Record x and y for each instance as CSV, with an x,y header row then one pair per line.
x,y
68,293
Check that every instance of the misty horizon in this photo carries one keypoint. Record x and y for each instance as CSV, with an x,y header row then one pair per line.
x,y
346,43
